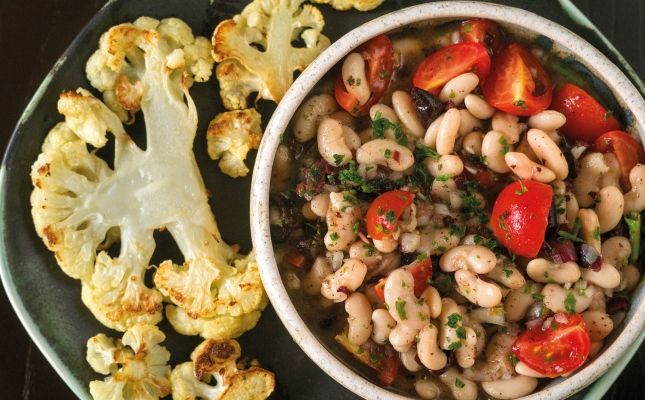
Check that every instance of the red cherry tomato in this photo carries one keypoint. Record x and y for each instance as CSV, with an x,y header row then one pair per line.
x,y
586,118
450,61
482,31
379,57
383,214
627,150
295,258
421,271
517,83
555,350
520,216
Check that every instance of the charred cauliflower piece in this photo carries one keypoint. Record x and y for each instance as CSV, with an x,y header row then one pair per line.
x,y
117,67
230,136
260,40
360,5
80,205
218,360
137,365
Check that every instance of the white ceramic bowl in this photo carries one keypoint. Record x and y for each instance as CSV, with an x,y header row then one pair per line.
x,y
516,20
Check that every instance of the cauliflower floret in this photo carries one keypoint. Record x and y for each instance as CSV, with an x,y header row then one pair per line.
x,y
137,365
236,84
360,5
272,26
230,136
81,206
116,67
217,359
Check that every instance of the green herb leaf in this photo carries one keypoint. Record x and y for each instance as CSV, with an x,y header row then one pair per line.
x,y
338,159
400,309
454,346
633,220
569,236
453,320
570,303
459,383
423,151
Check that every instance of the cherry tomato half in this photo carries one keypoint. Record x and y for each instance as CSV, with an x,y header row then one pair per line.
x,y
450,61
555,350
586,118
627,150
379,290
517,83
379,57
421,271
520,216
383,214
482,31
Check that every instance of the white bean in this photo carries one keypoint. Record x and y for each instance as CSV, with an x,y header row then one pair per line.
x,y
476,290
341,216
366,253
468,123
555,296
543,270
359,318
312,282
281,172
524,168
635,198
476,258
494,147
320,204
506,273
344,118
402,337
407,113
611,177
310,113
590,228
547,121
607,277
493,315
592,167
430,138
386,153
427,389
352,140
429,352
525,370
497,364
437,241
450,320
512,388
348,278
447,165
307,212
447,131
507,125
609,208
472,143
331,143
478,107
385,246
354,78
383,325
597,324
518,301
433,300
631,277
460,387
401,302
383,111
408,359
459,87
548,152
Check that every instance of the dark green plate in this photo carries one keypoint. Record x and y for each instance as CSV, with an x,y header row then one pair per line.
x,y
48,302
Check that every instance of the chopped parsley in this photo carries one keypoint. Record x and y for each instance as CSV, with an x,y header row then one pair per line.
x,y
453,320
422,257
355,227
564,235
507,271
452,94
570,303
596,233
505,146
537,297
458,231
390,216
454,346
520,104
380,124
424,151
387,153
443,178
338,159
461,332
633,220
459,383
375,358
333,236
400,309
514,359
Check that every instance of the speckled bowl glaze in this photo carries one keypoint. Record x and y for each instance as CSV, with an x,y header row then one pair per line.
x,y
519,22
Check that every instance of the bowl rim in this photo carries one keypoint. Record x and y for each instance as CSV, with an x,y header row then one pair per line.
x,y
624,91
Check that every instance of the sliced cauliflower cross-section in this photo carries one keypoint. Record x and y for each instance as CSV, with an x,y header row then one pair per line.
x,y
360,5
137,365
230,136
80,205
217,360
116,67
260,41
